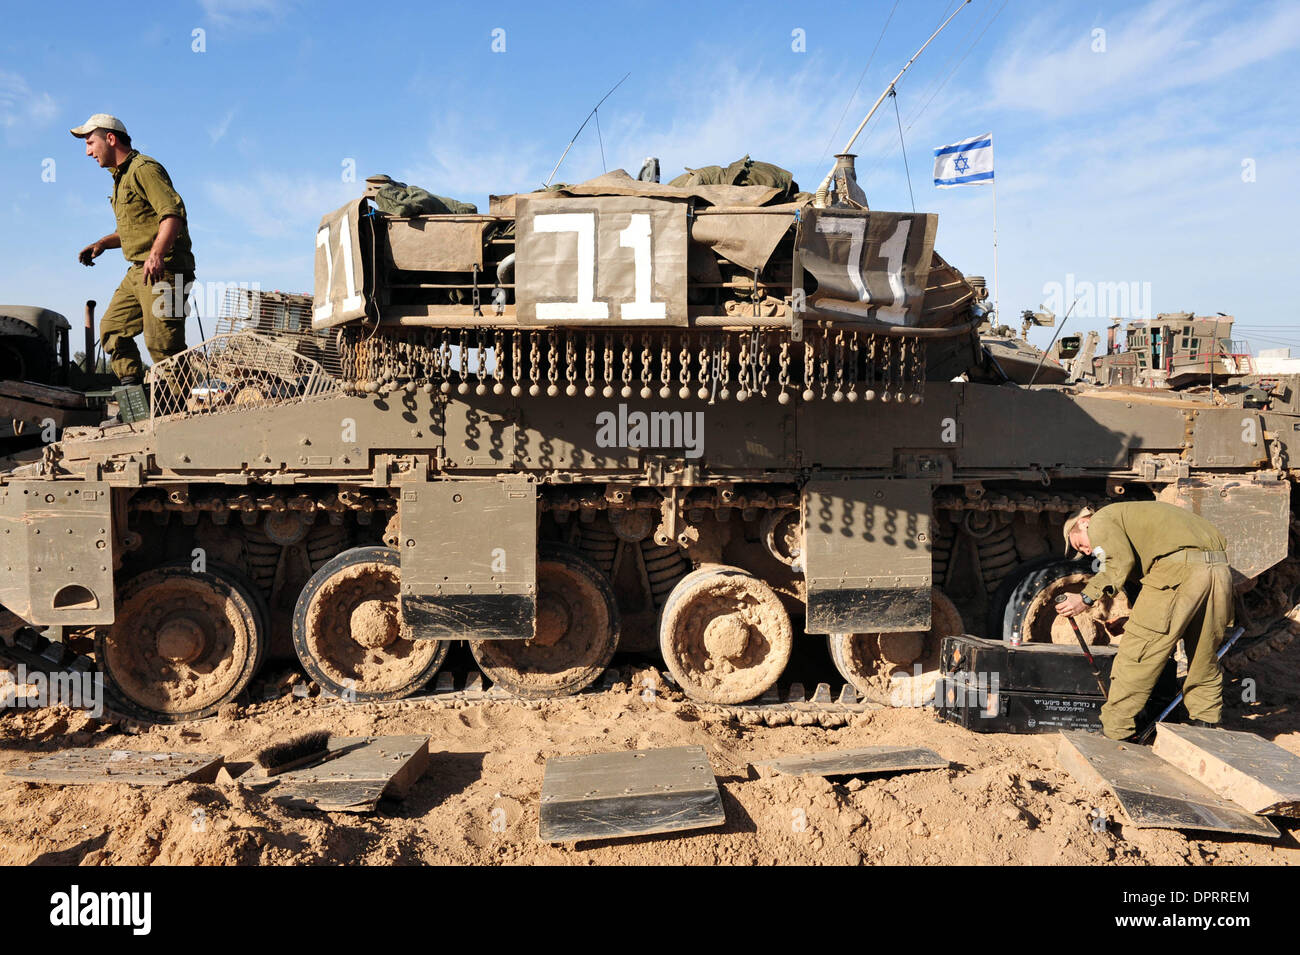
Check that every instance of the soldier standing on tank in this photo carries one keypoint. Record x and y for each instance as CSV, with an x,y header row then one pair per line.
x,y
154,238
1186,592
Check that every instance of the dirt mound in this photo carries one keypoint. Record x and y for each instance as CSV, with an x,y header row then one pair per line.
x,y
1003,800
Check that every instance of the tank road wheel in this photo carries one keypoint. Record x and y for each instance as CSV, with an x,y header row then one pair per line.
x,y
724,635
261,608
576,635
864,658
348,631
183,643
1025,602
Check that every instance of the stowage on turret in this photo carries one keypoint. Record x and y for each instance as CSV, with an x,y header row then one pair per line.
x,y
702,420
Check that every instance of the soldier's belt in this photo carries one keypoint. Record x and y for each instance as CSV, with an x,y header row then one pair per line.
x,y
1194,556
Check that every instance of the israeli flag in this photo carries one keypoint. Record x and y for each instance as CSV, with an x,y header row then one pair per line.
x,y
965,163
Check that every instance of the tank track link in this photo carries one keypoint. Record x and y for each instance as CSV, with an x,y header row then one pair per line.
x,y
1284,580
784,705
1276,638
42,655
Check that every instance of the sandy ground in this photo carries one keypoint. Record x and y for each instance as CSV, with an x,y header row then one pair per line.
x,y
1004,800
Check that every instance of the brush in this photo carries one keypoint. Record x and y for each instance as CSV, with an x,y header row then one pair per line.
x,y
292,753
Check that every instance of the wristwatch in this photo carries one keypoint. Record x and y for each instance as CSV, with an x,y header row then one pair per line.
x,y
1087,601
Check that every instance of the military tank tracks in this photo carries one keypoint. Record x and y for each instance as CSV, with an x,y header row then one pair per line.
x,y
789,704
872,664
783,705
41,655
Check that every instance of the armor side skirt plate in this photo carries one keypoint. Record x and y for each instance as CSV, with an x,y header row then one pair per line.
x,y
608,795
1154,794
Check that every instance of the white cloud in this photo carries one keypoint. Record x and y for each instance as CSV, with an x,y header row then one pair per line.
x,y
246,13
774,116
1163,46
217,133
464,161
278,205
20,105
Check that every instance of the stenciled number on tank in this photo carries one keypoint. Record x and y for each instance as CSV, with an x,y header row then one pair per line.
x,y
353,300
637,237
891,250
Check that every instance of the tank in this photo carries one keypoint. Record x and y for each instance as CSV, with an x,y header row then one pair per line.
x,y
707,423
42,391
1178,350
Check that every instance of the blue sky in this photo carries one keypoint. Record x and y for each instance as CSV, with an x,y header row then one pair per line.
x,y
1124,155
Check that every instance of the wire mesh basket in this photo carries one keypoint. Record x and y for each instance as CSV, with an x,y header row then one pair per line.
x,y
283,317
235,371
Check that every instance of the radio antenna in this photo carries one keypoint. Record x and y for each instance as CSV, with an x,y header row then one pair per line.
x,y
584,126
821,199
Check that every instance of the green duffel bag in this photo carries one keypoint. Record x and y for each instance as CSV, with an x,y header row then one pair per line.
x,y
401,200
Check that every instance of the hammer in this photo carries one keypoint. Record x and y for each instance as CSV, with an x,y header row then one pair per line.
x,y
1083,645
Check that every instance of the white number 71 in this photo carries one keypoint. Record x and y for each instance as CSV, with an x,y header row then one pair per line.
x,y
353,300
891,250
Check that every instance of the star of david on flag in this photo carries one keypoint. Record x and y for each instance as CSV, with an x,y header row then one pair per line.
x,y
966,163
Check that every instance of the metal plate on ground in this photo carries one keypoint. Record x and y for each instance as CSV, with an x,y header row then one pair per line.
x,y
372,767
1153,794
636,793
1257,775
854,762
129,767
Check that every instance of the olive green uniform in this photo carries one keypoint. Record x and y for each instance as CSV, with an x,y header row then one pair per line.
x,y
142,197
1186,591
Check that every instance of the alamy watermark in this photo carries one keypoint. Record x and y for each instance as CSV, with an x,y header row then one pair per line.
x,y
210,297
74,907
652,429
1085,299
962,689
79,691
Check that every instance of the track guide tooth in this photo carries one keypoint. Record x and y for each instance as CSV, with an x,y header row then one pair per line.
x,y
795,694
40,655
54,653
848,695
822,694
446,683
29,641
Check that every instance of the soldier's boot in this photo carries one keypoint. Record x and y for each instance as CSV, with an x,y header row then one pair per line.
x,y
125,381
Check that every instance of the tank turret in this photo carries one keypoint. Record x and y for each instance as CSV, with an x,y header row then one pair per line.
x,y
623,286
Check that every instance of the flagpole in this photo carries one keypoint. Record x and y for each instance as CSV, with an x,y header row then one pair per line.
x,y
996,312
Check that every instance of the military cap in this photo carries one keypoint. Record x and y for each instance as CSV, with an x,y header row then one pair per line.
x,y
1069,526
375,183
98,121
